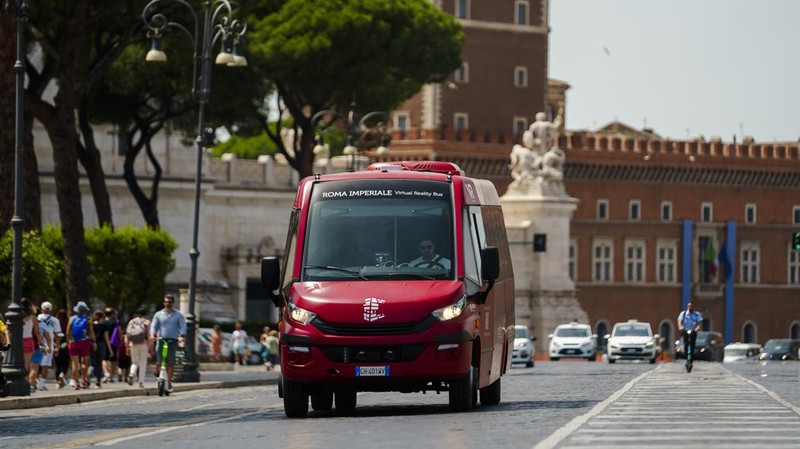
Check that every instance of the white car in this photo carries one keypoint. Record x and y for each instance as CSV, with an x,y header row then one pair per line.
x,y
523,346
632,340
573,340
735,352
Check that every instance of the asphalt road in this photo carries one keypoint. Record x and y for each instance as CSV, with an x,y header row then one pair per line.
x,y
569,404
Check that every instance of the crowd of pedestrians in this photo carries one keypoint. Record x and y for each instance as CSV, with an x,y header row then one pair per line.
x,y
88,348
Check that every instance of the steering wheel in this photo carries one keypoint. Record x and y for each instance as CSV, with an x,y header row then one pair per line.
x,y
402,265
436,265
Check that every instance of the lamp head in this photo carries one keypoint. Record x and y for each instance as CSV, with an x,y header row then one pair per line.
x,y
156,54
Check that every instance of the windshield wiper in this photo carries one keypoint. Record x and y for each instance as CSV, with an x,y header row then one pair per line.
x,y
403,274
343,270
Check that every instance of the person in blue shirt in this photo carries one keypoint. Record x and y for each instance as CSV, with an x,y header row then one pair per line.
x,y
689,319
169,326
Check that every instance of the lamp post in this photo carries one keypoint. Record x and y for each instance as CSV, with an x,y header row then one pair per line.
x,y
360,133
14,365
218,23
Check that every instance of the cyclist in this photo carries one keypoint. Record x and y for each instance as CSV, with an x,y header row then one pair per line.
x,y
170,327
689,321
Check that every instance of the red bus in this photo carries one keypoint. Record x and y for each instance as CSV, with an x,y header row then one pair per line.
x,y
397,278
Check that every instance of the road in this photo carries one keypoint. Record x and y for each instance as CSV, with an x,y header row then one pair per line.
x,y
567,404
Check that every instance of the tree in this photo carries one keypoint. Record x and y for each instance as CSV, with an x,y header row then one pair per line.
x,y
129,265
78,41
323,54
40,268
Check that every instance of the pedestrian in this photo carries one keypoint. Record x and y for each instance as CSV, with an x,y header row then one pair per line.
x,y
99,351
216,344
31,335
123,360
62,356
262,339
48,324
111,356
82,343
40,341
136,337
170,326
239,342
4,343
273,348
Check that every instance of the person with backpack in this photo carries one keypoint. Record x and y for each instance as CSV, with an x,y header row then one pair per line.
x,y
82,341
136,338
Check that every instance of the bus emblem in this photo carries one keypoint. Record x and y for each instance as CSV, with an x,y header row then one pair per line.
x,y
371,309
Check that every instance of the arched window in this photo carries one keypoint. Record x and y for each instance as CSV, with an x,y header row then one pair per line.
x,y
666,332
749,332
794,331
601,329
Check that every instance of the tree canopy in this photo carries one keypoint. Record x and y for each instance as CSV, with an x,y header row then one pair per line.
x,y
323,54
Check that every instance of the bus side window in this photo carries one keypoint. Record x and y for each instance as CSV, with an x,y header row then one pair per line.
x,y
473,242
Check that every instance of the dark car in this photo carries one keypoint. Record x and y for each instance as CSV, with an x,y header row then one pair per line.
x,y
780,349
708,346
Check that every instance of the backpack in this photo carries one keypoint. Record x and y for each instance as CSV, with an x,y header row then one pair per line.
x,y
138,331
79,324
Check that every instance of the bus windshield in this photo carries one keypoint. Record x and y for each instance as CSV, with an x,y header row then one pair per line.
x,y
379,229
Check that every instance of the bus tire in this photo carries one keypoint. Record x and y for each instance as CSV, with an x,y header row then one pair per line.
x,y
463,392
491,395
322,402
295,399
346,400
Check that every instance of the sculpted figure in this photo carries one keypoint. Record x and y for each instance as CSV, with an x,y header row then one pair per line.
x,y
538,160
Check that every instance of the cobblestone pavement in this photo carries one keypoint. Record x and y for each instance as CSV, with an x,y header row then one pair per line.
x,y
217,376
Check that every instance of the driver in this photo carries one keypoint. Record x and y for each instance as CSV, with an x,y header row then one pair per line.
x,y
428,257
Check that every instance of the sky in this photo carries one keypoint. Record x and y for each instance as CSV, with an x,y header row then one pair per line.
x,y
682,67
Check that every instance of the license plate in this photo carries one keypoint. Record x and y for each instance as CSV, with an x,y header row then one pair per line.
x,y
572,351
365,371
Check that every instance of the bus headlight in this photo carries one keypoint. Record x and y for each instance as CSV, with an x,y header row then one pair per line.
x,y
300,314
452,311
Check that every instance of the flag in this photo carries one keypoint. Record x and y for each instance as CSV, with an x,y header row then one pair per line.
x,y
711,259
724,259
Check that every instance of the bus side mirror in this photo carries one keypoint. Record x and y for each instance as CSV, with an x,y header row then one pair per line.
x,y
270,278
490,263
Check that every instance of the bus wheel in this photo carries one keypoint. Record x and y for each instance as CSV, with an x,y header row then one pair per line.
x,y
346,400
295,399
463,392
491,394
322,402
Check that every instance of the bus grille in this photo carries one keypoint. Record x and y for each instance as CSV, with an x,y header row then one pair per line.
x,y
373,329
373,354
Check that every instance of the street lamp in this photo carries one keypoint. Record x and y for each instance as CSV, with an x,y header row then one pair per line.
x,y
363,133
14,366
218,23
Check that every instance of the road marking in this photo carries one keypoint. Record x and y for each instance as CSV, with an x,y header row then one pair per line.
x,y
556,437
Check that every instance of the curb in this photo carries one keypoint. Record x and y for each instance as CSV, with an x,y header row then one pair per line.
x,y
94,395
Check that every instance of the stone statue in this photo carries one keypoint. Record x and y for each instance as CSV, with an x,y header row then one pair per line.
x,y
537,165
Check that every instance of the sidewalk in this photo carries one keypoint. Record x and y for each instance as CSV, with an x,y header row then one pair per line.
x,y
221,375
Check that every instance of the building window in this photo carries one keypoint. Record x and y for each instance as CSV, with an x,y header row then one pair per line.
x,y
572,263
603,260
750,262
521,12
602,209
794,267
794,331
665,261
401,120
634,261
796,215
520,125
750,213
602,329
462,74
462,9
749,332
460,121
707,212
634,210
666,211
520,76
706,259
